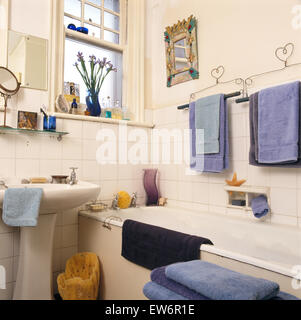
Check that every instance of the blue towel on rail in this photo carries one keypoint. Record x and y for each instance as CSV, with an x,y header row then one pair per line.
x,y
218,283
253,156
215,163
207,123
159,277
21,207
278,124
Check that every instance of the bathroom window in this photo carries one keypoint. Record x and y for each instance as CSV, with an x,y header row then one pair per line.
x,y
101,17
116,31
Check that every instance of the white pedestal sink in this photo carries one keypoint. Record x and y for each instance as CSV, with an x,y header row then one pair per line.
x,y
34,276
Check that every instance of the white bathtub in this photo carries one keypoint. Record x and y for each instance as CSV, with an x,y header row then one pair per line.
x,y
270,247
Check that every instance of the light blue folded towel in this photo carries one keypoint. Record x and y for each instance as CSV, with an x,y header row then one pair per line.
x,y
21,207
260,206
207,125
278,124
154,291
218,283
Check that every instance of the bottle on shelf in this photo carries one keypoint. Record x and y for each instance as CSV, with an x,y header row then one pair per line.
x,y
74,107
117,112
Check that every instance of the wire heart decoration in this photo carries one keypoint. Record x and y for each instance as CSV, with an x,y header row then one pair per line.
x,y
217,73
284,53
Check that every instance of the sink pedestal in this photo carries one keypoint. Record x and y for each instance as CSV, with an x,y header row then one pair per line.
x,y
34,277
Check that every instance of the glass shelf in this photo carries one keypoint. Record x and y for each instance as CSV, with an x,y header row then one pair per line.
x,y
58,135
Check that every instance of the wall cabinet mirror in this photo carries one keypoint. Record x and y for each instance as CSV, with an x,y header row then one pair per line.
x,y
27,59
181,52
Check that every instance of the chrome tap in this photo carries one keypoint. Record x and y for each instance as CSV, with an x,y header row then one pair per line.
x,y
134,200
115,203
73,179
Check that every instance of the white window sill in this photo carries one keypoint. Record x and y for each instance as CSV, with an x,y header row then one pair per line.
x,y
102,120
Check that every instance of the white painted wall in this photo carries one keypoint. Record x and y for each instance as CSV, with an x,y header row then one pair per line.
x,y
241,35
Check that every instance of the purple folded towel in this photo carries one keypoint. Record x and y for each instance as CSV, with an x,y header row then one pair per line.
x,y
215,163
158,276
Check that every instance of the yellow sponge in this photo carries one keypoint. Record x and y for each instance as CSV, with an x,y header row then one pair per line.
x,y
81,278
124,200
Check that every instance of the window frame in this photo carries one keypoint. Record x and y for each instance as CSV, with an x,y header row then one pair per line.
x,y
132,46
121,15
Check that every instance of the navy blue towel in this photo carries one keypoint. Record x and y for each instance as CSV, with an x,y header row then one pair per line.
x,y
153,247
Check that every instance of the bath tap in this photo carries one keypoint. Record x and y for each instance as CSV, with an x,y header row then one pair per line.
x,y
73,179
134,200
115,203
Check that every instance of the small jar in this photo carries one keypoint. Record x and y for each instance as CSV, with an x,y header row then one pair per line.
x,y
49,123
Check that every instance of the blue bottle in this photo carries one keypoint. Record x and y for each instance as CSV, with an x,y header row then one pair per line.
x,y
74,107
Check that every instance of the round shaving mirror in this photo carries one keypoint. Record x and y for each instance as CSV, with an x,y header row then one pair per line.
x,y
9,86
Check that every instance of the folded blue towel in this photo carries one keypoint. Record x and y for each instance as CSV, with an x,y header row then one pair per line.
x,y
21,207
153,291
207,123
159,277
218,283
215,163
285,296
260,206
278,123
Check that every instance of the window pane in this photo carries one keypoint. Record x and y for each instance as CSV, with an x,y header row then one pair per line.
x,y
92,14
111,37
68,21
112,86
112,5
111,21
73,7
97,2
93,31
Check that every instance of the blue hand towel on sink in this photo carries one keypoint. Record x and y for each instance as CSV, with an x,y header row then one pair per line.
x,y
278,124
218,283
260,206
21,207
207,124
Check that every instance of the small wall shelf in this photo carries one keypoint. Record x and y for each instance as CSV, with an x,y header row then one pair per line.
x,y
246,193
58,135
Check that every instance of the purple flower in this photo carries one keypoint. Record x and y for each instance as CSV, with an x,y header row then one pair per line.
x,y
80,57
109,66
92,58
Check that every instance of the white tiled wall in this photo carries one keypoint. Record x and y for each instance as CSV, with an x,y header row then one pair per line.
x,y
27,156
206,191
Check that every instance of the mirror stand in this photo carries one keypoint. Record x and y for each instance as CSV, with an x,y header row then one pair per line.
x,y
5,97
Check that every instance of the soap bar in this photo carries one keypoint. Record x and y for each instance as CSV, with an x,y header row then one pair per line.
x,y
239,203
38,180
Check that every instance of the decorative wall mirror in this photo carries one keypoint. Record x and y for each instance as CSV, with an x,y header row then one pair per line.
x,y
181,52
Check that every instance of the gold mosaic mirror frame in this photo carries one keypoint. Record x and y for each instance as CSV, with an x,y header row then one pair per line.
x,y
186,31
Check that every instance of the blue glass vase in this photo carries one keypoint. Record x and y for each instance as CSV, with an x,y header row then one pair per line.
x,y
93,104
